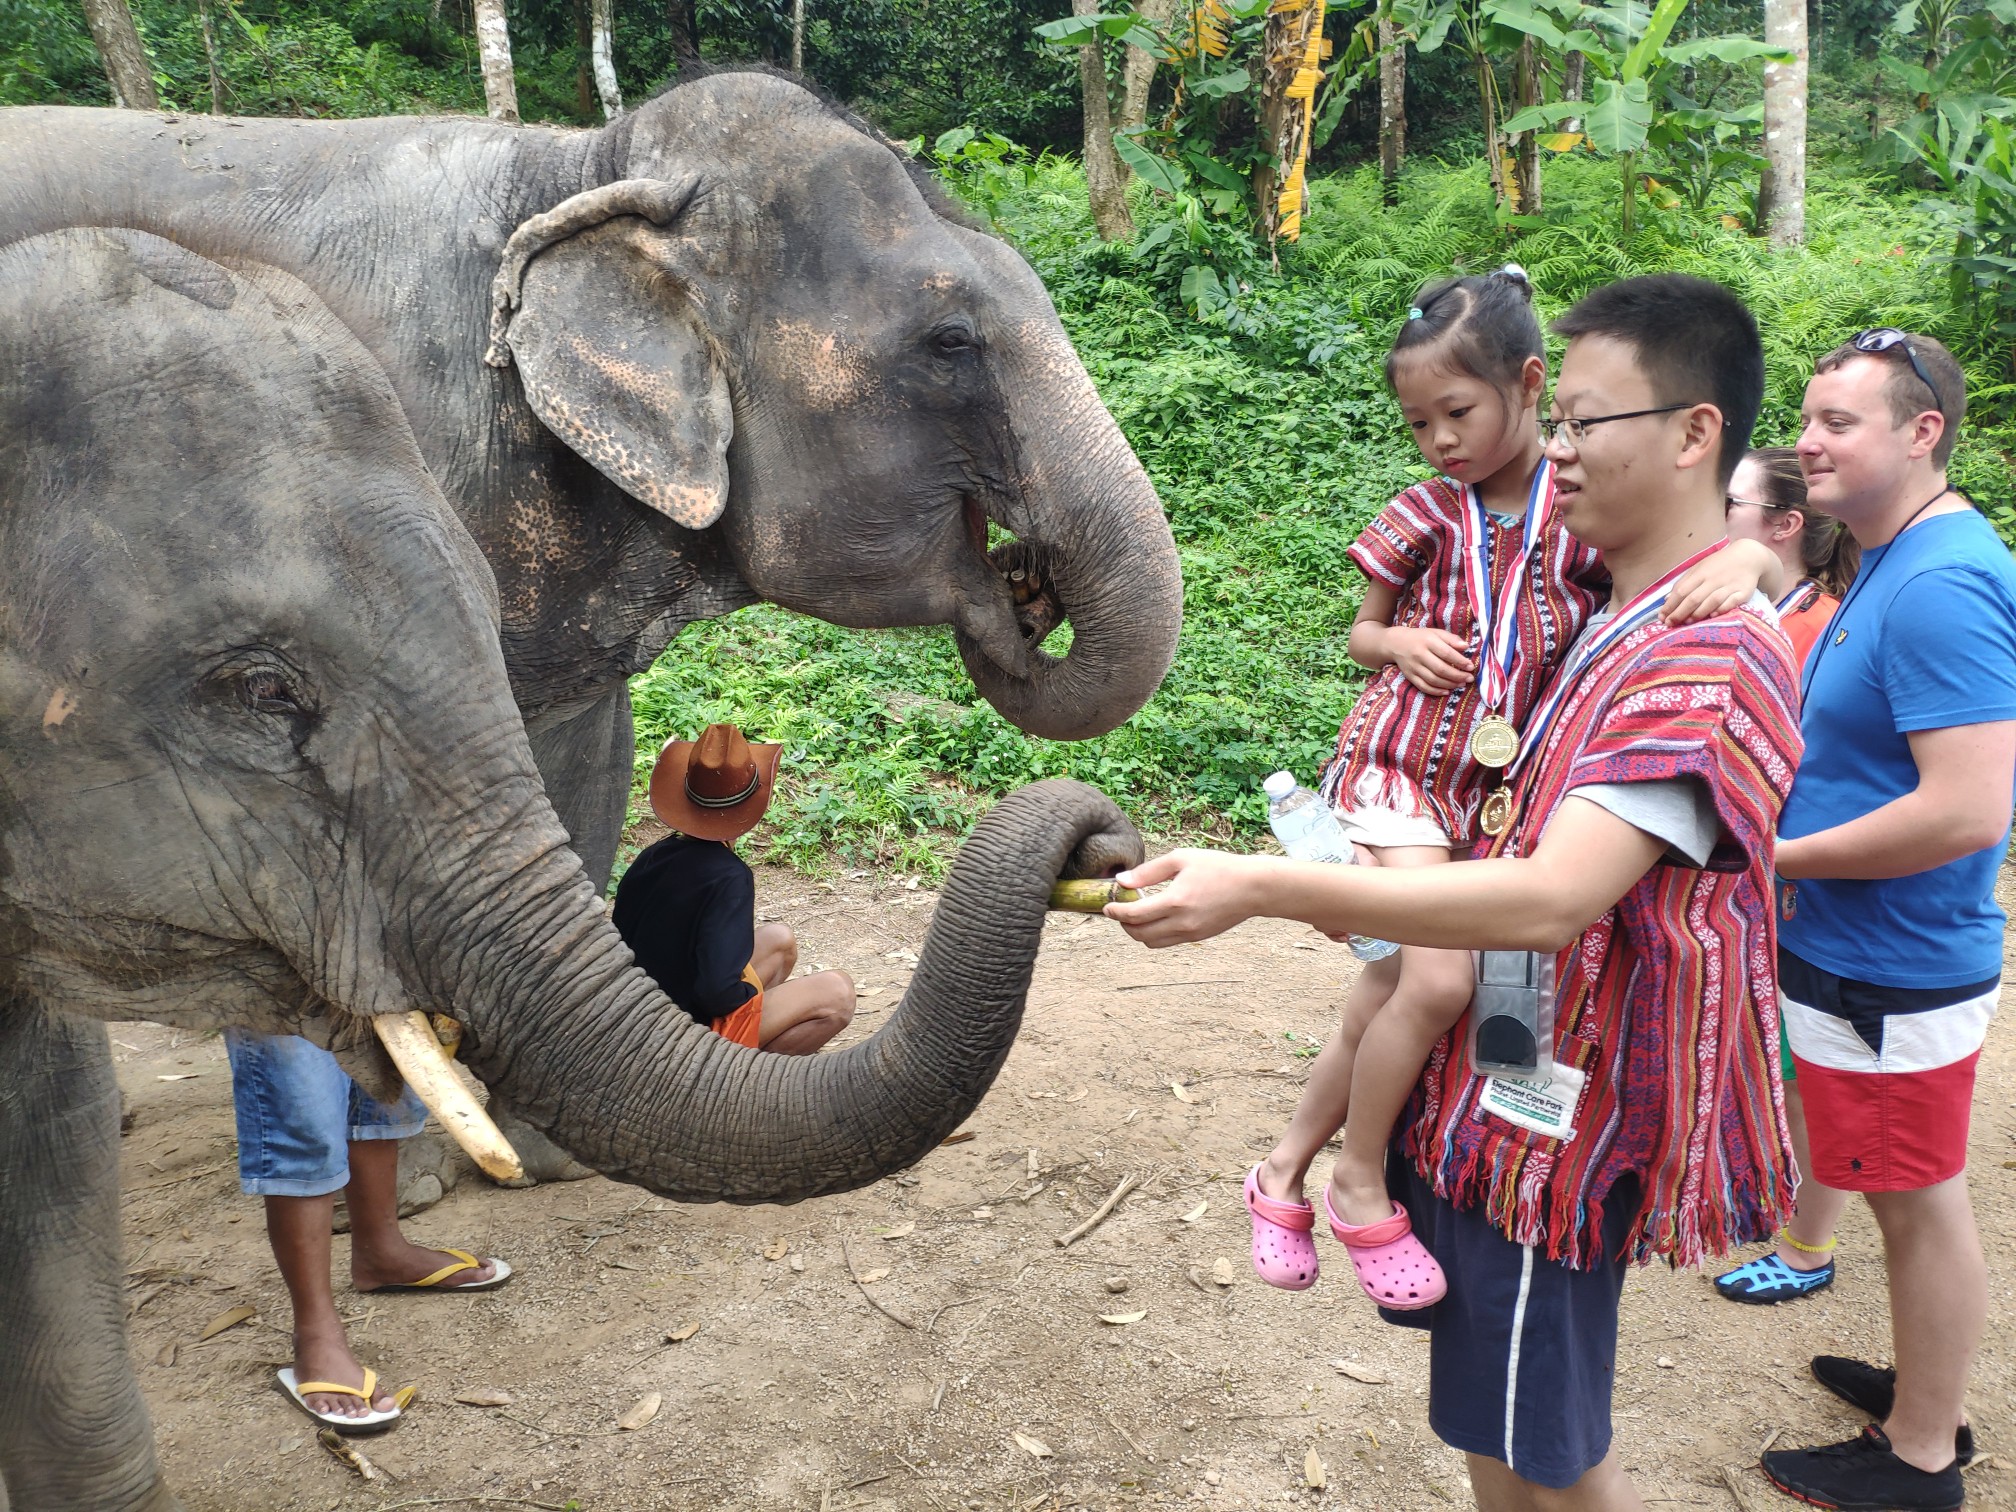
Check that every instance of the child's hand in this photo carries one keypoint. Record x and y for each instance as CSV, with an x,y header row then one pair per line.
x,y
1208,895
1722,582
1435,661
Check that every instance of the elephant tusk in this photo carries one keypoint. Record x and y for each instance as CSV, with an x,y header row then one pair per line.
x,y
409,1039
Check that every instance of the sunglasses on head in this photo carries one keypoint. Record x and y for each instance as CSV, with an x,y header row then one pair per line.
x,y
1879,339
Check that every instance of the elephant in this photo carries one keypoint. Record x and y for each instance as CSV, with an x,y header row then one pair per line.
x,y
728,348
260,764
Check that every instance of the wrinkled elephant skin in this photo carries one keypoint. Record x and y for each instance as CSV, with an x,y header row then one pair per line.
x,y
726,348
260,764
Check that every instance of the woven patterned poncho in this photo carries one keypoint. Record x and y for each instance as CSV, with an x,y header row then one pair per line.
x,y
1668,1003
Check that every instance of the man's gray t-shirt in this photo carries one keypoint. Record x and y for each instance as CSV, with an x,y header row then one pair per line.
x,y
1677,810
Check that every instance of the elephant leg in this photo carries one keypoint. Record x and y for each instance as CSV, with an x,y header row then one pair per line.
x,y
74,1432
585,752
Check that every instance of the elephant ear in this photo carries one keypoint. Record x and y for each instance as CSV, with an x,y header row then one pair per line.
x,y
611,347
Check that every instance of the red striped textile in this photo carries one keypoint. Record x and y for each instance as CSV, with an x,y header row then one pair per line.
x,y
1668,1003
1408,750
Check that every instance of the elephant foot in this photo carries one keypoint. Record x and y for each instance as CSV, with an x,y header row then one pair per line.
x,y
430,1165
543,1160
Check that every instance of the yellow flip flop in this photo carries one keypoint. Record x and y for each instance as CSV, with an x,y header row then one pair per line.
x,y
298,1392
464,1261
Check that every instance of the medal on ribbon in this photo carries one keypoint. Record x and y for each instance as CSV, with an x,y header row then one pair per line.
x,y
1494,742
1645,605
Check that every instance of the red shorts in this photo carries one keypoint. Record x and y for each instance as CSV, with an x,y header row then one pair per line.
x,y
1886,1073
745,1025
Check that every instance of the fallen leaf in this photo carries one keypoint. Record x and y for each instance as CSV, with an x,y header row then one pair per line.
x,y
1034,1446
901,1231
1182,1092
1122,1319
1312,1471
166,1354
645,1409
682,1333
1079,1095
349,1454
1305,945
483,1396
867,992
959,1136
776,1249
1221,1271
403,1397
869,1278
1364,1373
224,1320
1197,1212
180,1076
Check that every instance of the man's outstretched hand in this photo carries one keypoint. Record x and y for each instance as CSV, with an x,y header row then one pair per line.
x,y
1209,892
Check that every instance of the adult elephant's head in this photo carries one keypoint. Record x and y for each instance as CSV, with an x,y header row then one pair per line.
x,y
764,319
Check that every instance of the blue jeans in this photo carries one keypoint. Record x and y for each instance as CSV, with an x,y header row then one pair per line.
x,y
297,1112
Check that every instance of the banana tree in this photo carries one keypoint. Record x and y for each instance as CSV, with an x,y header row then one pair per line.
x,y
1632,104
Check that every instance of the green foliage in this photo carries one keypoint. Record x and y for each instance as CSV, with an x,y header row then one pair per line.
x,y
1269,432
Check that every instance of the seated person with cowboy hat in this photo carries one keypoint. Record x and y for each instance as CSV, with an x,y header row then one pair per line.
x,y
687,905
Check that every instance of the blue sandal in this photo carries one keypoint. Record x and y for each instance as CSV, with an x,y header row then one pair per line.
x,y
1769,1279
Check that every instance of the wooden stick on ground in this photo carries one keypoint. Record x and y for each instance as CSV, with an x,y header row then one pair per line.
x,y
1100,1214
1745,1500
1132,1442
846,1255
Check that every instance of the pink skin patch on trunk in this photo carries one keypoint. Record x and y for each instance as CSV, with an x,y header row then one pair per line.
x,y
61,706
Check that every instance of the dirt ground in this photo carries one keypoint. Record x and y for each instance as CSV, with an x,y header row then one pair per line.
x,y
1005,1390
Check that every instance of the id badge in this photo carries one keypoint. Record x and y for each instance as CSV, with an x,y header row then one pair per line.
x,y
1546,1107
1512,1015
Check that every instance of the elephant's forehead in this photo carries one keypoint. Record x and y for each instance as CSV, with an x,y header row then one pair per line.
x,y
830,368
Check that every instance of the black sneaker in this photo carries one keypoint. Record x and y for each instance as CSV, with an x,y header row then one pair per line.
x,y
1872,1389
1863,1475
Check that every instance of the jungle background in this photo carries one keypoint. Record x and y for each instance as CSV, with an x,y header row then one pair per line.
x,y
1242,359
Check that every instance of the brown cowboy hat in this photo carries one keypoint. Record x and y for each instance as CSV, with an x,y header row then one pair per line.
x,y
716,787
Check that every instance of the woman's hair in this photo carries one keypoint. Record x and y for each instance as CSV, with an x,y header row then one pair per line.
x,y
1828,552
1482,326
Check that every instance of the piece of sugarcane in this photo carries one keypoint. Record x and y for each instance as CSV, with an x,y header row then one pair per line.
x,y
1090,895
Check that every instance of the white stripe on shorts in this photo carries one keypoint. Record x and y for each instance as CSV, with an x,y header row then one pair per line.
x,y
1512,1357
1922,1041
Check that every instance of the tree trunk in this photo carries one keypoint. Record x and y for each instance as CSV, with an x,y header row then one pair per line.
x,y
1526,145
684,16
210,57
1105,185
1781,207
1494,149
798,36
493,46
125,59
602,23
1571,84
1137,70
584,45
1392,107
1292,53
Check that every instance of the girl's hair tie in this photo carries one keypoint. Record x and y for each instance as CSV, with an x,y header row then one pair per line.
x,y
1414,312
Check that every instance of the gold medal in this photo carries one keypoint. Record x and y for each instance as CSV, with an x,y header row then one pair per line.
x,y
1497,811
1494,743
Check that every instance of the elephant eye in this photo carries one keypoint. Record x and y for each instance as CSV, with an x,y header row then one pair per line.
x,y
951,340
266,690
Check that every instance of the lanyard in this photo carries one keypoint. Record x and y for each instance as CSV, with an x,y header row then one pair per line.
x,y
1499,623
1837,628
1803,593
1645,604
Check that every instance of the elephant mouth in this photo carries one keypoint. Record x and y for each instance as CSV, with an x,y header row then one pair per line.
x,y
1026,570
1012,625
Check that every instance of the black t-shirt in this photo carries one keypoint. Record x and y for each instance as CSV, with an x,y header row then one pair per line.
x,y
687,910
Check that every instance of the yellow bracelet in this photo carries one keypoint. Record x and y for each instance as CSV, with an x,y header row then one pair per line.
x,y
1785,1235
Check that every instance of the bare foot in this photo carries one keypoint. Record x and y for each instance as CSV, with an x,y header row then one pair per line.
x,y
327,1357
1280,1180
400,1263
1359,1203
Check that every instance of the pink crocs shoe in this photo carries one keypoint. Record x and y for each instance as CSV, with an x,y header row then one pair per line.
x,y
1284,1254
1393,1266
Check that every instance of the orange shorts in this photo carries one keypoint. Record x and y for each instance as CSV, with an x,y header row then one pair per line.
x,y
745,1025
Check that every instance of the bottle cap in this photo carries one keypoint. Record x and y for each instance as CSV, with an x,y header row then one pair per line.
x,y
1280,785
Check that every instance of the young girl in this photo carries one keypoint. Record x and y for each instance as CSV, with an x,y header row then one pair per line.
x,y
1473,595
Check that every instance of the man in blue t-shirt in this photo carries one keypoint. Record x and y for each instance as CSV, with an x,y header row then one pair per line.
x,y
1890,940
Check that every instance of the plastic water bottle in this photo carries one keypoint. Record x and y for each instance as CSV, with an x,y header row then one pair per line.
x,y
1308,831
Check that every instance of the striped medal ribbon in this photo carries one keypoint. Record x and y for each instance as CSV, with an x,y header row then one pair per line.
x,y
1494,742
1644,605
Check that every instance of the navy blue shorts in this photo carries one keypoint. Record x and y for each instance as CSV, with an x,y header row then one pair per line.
x,y
1523,1351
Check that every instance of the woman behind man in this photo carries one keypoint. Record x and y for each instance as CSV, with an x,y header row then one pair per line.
x,y
1767,503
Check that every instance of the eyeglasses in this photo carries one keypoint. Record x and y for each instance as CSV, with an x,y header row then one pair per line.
x,y
1574,429
1730,502
1879,339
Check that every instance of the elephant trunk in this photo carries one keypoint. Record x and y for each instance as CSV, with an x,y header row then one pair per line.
x,y
583,1045
1092,532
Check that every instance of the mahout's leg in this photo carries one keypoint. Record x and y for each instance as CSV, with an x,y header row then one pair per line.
x,y
74,1431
